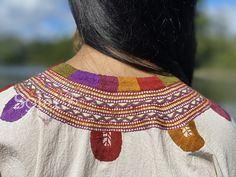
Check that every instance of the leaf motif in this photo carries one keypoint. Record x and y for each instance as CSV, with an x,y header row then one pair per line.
x,y
15,109
187,131
106,146
106,138
187,137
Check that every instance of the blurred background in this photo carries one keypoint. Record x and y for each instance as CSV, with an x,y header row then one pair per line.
x,y
35,35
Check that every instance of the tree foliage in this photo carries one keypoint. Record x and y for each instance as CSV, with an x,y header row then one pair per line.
x,y
214,48
17,52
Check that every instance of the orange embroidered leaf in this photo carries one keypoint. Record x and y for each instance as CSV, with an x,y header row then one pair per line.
x,y
187,137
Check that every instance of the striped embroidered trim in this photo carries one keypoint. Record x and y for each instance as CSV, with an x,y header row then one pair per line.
x,y
89,108
62,81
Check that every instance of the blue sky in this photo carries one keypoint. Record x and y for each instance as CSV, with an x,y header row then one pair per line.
x,y
42,19
50,19
222,11
218,3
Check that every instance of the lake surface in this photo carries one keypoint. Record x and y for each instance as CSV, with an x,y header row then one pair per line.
x,y
219,91
14,74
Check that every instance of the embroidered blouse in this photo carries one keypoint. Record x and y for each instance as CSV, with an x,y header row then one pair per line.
x,y
66,122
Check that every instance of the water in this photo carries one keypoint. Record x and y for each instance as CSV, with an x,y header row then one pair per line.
x,y
219,92
14,74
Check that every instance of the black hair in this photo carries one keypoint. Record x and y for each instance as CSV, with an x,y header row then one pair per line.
x,y
156,36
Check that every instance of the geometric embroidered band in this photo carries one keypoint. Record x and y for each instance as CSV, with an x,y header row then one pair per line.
x,y
89,108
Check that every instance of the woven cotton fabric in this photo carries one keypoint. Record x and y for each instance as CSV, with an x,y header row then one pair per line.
x,y
66,122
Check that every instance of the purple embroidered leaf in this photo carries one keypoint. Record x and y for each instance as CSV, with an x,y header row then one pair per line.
x,y
15,109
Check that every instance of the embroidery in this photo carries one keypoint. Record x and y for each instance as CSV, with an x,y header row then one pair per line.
x,y
152,83
15,109
126,84
88,108
108,106
187,137
219,110
65,70
106,146
187,131
106,138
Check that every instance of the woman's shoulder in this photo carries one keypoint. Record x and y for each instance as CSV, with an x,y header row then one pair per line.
x,y
216,121
217,130
12,105
208,126
218,127
18,133
7,92
208,116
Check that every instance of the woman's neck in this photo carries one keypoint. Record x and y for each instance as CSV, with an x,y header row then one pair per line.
x,y
89,59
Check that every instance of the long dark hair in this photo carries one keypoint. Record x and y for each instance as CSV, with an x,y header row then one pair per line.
x,y
156,36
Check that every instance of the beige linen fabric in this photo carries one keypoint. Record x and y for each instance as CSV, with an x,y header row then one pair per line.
x,y
38,146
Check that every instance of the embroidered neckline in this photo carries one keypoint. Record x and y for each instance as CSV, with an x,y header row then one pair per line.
x,y
110,83
103,109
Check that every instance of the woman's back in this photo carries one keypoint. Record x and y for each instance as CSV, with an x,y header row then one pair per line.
x,y
66,122
127,122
